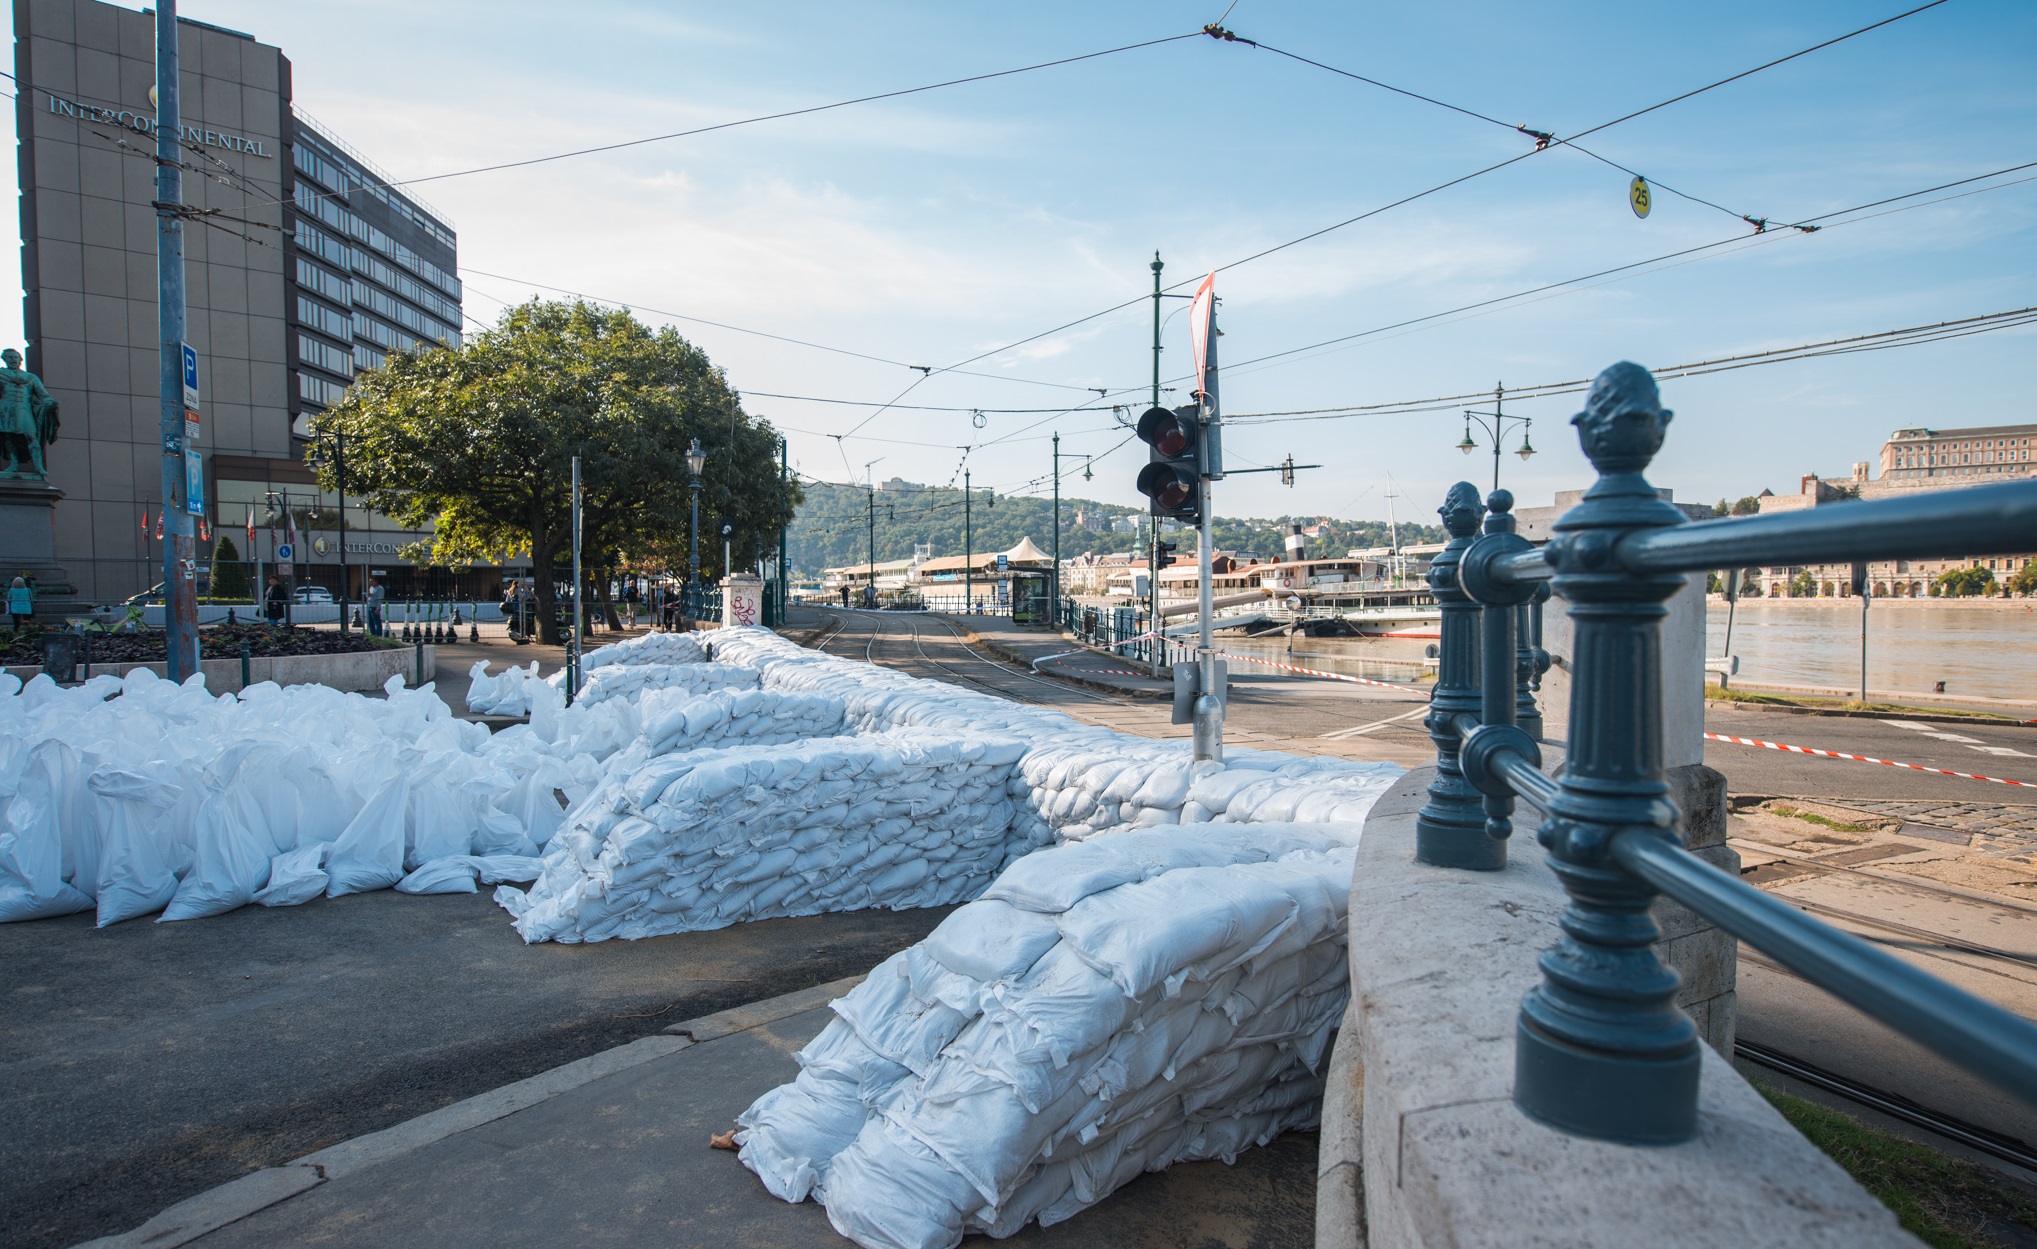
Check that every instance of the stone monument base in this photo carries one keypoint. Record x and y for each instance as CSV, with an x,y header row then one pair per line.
x,y
28,547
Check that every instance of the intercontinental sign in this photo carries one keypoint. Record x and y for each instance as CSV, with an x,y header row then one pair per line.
x,y
142,123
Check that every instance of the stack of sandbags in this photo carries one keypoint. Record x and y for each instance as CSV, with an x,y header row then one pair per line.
x,y
650,648
633,680
702,839
1081,785
687,720
504,694
133,796
1108,1008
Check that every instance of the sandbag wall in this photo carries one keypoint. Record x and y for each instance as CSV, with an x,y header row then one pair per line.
x,y
1107,1008
703,838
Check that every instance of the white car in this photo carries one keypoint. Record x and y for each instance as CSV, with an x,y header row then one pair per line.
x,y
312,594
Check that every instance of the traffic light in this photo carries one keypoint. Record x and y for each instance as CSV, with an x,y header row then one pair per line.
x,y
1172,478
1164,555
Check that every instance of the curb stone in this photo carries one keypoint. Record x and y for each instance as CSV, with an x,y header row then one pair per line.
x,y
213,1209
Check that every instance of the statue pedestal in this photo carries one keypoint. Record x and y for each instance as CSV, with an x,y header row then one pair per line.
x,y
28,546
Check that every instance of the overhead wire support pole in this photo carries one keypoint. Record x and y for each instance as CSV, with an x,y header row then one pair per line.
x,y
968,550
575,648
180,584
1054,605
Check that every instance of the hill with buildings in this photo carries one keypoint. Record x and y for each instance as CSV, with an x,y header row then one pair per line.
x,y
833,526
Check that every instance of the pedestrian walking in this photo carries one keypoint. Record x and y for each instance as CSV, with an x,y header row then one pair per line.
x,y
276,599
376,596
21,602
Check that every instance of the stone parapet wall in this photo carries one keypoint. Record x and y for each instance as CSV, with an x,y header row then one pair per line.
x,y
1422,1144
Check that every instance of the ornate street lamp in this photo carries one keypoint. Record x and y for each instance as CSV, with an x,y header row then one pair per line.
x,y
1494,423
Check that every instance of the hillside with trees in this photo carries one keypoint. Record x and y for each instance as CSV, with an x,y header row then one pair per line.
x,y
831,528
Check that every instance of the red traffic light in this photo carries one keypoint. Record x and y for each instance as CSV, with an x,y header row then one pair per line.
x,y
1170,433
1171,487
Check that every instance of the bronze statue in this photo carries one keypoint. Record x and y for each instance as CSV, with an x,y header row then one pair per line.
x,y
28,419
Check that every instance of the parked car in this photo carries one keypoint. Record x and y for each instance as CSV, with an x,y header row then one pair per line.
x,y
312,594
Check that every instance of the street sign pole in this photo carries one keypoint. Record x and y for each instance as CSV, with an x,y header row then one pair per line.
x,y
180,568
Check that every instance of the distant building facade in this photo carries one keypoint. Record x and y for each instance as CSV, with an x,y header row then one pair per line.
x,y
1913,459
309,270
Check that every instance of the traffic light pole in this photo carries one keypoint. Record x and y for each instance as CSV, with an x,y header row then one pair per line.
x,y
1209,704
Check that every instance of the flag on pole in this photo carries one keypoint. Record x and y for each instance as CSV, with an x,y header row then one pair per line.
x,y
1198,327
250,552
159,526
144,520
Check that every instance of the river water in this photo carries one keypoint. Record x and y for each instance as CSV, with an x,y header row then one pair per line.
x,y
1986,651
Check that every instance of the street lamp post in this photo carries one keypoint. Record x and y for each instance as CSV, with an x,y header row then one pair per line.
x,y
1494,423
696,459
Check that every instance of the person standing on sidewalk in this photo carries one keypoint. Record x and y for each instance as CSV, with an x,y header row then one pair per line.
x,y
276,599
21,602
376,596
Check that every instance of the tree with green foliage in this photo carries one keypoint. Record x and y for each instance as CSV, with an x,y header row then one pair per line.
x,y
1966,582
229,575
1803,585
476,443
1748,505
2023,581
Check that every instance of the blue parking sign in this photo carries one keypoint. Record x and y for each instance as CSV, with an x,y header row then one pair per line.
x,y
190,377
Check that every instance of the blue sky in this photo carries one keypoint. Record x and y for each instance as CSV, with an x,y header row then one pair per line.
x,y
930,229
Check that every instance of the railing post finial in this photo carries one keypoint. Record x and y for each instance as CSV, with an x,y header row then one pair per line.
x,y
1601,1049
1450,828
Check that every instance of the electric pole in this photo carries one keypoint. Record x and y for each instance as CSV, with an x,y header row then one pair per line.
x,y
1054,607
968,550
180,568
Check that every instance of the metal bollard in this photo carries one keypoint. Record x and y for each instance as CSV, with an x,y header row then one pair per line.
x,y
420,663
1600,1048
1450,828
244,668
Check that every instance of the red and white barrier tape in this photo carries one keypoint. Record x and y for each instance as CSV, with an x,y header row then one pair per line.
x,y
1835,754
1332,676
1098,650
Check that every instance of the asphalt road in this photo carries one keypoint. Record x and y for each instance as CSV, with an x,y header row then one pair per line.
x,y
2005,751
144,1063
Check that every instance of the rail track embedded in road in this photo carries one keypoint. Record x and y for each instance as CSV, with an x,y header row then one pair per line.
x,y
1894,1105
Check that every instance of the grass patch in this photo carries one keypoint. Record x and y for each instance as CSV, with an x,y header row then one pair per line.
x,y
1946,1202
1716,694
1825,821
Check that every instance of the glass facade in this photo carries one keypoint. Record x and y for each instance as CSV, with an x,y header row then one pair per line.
x,y
372,272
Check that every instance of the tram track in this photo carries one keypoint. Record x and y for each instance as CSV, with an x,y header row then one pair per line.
x,y
1994,1144
879,631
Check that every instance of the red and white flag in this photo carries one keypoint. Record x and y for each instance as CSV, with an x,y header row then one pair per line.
x,y
250,552
144,520
1198,327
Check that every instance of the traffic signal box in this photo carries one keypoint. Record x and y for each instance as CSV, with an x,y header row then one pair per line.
x,y
1172,478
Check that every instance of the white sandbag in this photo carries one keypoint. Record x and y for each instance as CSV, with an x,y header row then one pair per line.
x,y
454,874
233,858
134,874
369,854
32,885
296,876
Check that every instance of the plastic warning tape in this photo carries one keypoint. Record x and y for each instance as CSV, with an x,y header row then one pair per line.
x,y
1332,676
1098,650
1837,754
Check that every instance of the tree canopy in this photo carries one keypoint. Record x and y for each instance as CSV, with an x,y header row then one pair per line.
x,y
475,443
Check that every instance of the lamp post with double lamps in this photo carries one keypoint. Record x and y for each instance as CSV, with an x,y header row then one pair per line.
x,y
696,459
1494,423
